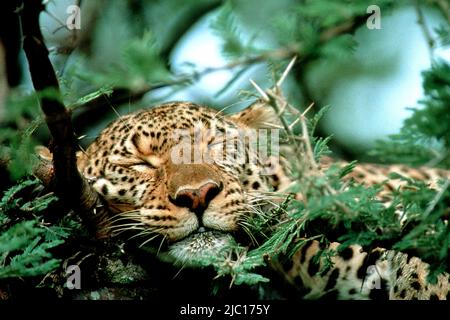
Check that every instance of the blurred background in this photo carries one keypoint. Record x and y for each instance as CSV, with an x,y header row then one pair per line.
x,y
362,58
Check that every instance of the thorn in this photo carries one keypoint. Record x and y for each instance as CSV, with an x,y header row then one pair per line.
x,y
261,91
272,125
307,109
286,71
294,123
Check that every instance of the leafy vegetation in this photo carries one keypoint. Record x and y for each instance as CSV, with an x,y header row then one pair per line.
x,y
26,238
33,224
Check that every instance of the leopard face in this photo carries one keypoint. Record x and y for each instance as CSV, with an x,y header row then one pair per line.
x,y
180,172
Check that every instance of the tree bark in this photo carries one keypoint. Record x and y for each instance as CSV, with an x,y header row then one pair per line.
x,y
69,185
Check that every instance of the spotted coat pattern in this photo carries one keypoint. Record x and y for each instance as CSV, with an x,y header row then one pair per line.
x,y
131,164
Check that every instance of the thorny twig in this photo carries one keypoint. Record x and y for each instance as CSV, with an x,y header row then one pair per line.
x,y
306,162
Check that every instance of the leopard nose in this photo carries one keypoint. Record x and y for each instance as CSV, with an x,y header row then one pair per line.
x,y
197,199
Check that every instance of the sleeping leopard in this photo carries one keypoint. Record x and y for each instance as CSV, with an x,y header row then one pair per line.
x,y
163,174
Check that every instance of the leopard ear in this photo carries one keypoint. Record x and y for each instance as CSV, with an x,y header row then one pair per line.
x,y
43,153
258,115
82,161
46,155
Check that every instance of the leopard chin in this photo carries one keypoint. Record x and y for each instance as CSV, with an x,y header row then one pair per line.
x,y
200,248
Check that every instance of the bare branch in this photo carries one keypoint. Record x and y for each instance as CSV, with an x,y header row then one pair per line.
x,y
70,186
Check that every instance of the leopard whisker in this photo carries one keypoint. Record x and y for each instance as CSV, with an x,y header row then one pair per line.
x,y
160,245
122,216
261,202
258,202
249,233
253,210
131,224
156,232
128,211
118,231
131,214
122,230
179,271
264,194
120,212
148,240
220,114
142,233
136,219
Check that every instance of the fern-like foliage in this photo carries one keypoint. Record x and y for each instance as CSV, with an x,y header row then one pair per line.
x,y
24,253
26,240
226,27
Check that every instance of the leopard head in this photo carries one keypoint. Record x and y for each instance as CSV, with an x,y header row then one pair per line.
x,y
184,173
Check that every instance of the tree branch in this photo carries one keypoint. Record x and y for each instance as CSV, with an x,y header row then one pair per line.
x,y
70,186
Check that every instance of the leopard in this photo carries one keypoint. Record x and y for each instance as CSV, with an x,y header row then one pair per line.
x,y
143,167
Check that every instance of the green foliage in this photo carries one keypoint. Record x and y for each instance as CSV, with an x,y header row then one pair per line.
x,y
237,263
142,61
443,33
17,145
26,239
425,136
339,48
24,253
226,28
11,200
310,29
18,140
429,236
103,91
21,153
138,66
436,84
307,26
